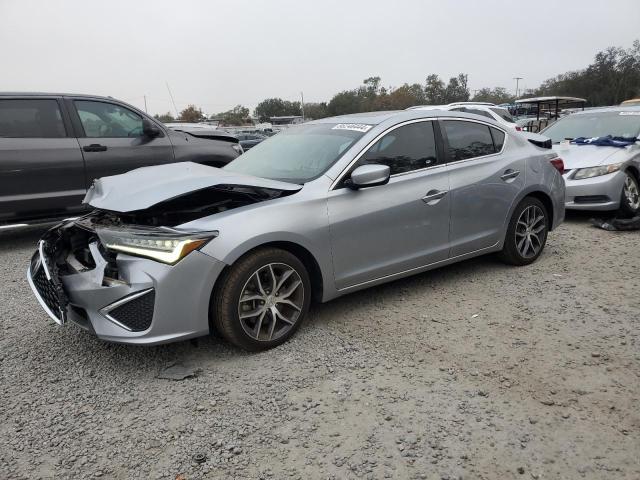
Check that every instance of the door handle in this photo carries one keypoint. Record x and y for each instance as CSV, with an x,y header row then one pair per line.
x,y
95,147
434,196
509,175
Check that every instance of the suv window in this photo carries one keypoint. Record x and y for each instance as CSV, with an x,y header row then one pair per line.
x,y
108,120
504,114
31,119
475,111
467,139
404,149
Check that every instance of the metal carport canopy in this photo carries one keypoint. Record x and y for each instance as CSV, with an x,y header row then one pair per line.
x,y
553,101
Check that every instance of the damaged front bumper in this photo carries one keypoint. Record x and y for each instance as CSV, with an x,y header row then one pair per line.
x,y
121,298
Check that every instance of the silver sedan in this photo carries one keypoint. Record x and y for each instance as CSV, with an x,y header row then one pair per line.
x,y
320,210
600,177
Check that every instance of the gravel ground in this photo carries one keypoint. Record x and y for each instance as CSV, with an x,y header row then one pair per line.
x,y
476,370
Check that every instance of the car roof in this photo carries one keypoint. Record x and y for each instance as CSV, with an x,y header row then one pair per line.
x,y
611,109
52,94
486,104
478,106
375,118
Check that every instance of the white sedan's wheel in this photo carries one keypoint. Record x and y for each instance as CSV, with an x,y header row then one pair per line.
x,y
630,201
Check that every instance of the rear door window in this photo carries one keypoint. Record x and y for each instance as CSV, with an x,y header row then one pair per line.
x,y
467,139
108,120
31,118
407,148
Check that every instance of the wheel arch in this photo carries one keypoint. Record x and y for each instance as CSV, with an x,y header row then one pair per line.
x,y
544,197
302,253
546,201
634,170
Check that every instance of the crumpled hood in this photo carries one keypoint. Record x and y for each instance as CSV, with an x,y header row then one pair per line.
x,y
583,156
144,187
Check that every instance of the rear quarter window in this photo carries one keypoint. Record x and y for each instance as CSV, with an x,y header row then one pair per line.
x,y
498,139
31,118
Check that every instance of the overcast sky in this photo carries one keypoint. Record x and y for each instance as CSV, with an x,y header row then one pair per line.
x,y
217,54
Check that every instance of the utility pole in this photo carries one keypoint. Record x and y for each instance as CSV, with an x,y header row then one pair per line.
x,y
302,104
517,79
145,104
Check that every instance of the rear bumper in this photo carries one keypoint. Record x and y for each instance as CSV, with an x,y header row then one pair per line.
x,y
597,193
151,303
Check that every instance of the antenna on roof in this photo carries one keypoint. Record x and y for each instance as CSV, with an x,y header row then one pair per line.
x,y
172,100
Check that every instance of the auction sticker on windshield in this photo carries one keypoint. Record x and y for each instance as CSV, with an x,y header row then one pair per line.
x,y
356,127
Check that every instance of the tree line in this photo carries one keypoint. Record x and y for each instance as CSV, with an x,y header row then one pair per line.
x,y
614,76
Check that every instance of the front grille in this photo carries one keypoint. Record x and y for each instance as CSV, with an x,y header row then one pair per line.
x,y
46,290
135,314
49,292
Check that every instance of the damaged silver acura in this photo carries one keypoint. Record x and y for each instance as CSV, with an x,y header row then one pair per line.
x,y
329,207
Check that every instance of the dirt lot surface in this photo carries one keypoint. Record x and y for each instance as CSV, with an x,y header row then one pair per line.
x,y
474,371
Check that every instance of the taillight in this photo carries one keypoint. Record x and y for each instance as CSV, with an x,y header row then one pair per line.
x,y
558,164
518,129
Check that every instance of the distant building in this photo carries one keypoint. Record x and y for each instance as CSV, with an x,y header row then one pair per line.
x,y
285,120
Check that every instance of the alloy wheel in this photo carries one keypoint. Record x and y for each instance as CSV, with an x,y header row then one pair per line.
x,y
530,231
631,193
271,301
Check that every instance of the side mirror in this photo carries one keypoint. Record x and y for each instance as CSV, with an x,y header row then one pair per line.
x,y
150,129
369,176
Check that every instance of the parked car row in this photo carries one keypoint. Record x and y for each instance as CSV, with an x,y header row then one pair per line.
x,y
53,146
250,140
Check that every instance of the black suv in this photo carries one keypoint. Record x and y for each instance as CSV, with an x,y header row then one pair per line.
x,y
52,147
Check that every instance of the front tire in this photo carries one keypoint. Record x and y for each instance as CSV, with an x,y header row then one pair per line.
x,y
527,233
262,300
630,199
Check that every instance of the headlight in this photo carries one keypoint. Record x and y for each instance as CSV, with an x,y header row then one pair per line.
x,y
590,172
163,244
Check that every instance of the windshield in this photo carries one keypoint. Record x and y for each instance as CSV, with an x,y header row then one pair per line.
x,y
596,124
300,153
504,114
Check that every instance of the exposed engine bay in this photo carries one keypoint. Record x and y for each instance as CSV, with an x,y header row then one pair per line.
x,y
194,205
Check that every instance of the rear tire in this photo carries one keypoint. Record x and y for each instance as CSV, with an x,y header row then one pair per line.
x,y
262,300
527,233
630,196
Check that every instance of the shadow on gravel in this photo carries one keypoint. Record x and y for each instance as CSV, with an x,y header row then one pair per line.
x,y
21,237
416,285
578,216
